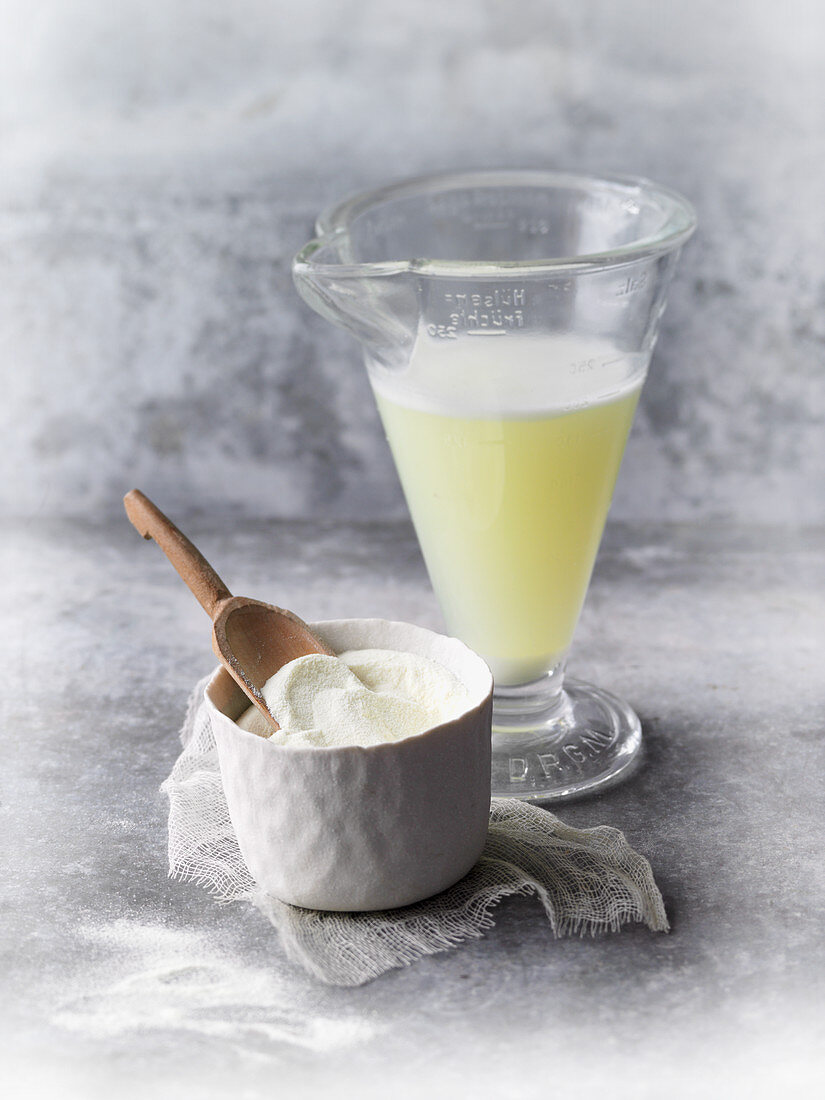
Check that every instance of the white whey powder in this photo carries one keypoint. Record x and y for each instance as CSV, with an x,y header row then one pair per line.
x,y
362,697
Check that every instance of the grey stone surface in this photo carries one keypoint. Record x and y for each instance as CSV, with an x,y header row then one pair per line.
x,y
117,981
159,165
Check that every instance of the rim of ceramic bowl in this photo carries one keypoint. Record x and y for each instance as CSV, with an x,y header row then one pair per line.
x,y
383,746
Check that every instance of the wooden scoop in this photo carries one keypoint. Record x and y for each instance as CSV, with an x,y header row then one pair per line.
x,y
251,639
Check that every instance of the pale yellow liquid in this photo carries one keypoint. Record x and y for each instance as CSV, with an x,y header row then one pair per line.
x,y
509,511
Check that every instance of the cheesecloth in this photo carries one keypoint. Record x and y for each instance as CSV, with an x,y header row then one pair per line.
x,y
588,880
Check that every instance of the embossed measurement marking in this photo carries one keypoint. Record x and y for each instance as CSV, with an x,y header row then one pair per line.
x,y
631,285
582,366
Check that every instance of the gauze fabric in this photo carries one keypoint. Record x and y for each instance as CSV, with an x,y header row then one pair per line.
x,y
587,880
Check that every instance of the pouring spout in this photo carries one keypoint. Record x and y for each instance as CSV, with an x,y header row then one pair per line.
x,y
376,302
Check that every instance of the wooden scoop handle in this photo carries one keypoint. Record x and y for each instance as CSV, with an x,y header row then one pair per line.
x,y
193,567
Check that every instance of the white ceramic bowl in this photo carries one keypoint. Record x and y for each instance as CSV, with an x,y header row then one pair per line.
x,y
358,828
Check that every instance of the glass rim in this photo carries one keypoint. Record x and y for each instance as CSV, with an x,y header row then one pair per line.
x,y
334,222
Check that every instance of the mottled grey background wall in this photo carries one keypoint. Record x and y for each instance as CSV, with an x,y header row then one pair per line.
x,y
160,162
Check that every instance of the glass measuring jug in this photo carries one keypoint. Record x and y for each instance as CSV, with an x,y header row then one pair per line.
x,y
507,320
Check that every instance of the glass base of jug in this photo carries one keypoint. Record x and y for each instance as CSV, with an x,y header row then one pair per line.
x,y
580,741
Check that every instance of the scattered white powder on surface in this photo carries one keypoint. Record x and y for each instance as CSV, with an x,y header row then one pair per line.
x,y
363,697
173,981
